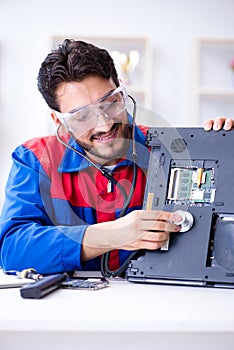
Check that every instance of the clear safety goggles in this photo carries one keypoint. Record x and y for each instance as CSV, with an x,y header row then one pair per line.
x,y
84,118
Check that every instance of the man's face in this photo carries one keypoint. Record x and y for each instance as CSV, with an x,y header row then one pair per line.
x,y
105,138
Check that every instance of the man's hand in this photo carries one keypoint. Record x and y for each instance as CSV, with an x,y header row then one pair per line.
x,y
146,229
218,124
140,229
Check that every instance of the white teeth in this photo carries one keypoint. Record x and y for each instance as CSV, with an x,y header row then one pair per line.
x,y
108,137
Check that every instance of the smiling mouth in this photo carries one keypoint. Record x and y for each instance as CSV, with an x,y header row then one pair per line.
x,y
107,136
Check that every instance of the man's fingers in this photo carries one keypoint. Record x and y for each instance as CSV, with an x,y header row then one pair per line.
x,y
162,226
156,236
208,124
218,124
228,124
160,215
151,245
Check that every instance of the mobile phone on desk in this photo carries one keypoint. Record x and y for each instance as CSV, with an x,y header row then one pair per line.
x,y
90,283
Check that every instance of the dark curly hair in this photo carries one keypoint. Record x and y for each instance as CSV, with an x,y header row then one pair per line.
x,y
73,61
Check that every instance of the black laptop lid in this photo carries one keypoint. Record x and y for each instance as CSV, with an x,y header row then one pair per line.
x,y
191,170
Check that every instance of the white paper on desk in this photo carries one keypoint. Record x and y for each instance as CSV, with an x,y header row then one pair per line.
x,y
9,281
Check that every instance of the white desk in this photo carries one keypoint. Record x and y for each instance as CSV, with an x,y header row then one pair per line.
x,y
123,316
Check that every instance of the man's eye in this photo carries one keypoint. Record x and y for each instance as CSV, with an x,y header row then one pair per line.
x,y
81,117
112,104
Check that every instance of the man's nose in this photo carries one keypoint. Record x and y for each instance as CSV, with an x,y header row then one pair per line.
x,y
102,122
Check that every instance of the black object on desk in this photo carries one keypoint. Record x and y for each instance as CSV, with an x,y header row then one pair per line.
x,y
42,287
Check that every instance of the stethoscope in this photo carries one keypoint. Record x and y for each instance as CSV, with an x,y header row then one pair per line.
x,y
106,272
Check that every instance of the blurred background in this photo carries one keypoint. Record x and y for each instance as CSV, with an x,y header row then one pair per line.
x,y
175,57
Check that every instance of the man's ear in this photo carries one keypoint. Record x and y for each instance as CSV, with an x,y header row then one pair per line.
x,y
56,120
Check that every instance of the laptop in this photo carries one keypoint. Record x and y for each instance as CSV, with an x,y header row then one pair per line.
x,y
192,171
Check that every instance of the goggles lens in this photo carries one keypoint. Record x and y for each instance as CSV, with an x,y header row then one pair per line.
x,y
84,118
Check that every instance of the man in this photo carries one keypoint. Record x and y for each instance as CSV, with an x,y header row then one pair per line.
x,y
69,199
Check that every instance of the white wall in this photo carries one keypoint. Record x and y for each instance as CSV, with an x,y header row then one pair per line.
x,y
26,28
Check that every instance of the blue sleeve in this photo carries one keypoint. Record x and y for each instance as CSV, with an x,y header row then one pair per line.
x,y
28,238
